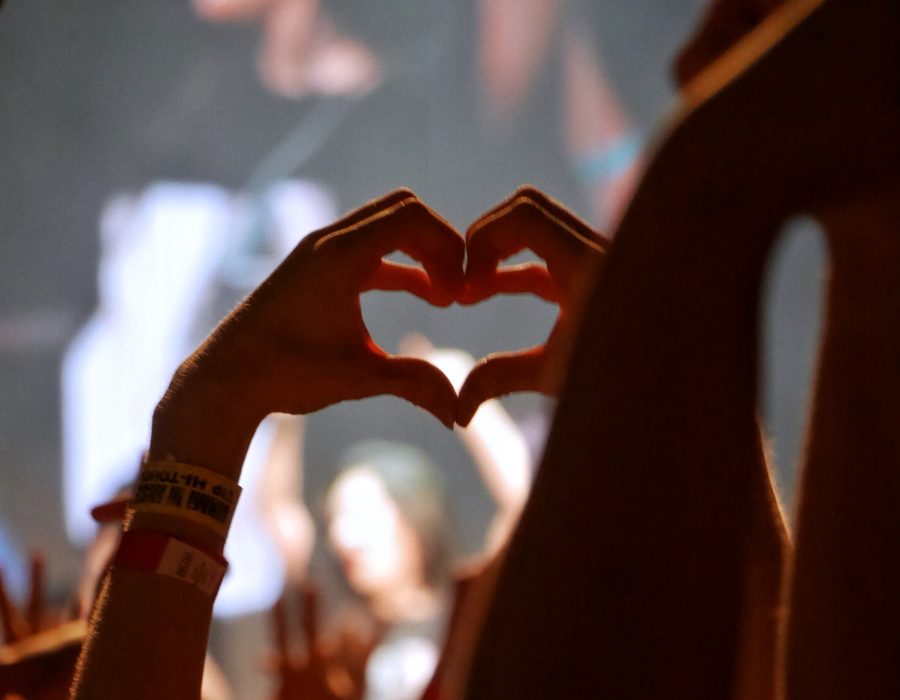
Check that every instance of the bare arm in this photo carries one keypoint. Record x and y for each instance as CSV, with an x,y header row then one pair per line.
x,y
281,350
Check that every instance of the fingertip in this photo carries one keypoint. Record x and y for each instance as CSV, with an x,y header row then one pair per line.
x,y
468,405
498,375
449,421
401,197
442,297
445,413
464,417
527,190
423,385
445,286
403,193
469,400
444,409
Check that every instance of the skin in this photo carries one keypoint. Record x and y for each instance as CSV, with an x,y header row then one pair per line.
x,y
685,529
282,350
321,671
571,252
670,572
40,646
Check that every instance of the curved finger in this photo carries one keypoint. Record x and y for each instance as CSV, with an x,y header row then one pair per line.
x,y
397,277
408,226
725,22
554,208
354,219
415,380
35,610
525,223
367,211
527,278
501,374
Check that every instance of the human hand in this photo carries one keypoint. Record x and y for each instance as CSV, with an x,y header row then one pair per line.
x,y
33,618
298,343
301,49
453,362
37,658
571,250
321,671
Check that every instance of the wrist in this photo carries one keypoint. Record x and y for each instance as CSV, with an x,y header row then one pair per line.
x,y
207,422
193,504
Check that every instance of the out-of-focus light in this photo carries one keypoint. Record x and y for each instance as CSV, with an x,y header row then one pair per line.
x,y
163,255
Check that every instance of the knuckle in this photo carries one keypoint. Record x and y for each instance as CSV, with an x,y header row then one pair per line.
x,y
527,190
402,192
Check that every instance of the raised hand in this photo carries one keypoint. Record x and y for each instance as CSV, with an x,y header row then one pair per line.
x,y
321,671
33,618
298,343
572,252
37,658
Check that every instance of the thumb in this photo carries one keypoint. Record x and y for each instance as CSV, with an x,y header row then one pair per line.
x,y
500,374
420,383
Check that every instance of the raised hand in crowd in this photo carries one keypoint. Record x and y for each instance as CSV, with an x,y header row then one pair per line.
x,y
37,659
296,344
318,668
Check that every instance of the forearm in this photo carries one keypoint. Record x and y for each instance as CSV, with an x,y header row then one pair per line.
x,y
280,350
147,639
149,632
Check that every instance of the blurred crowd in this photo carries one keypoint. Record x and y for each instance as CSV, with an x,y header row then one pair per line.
x,y
649,556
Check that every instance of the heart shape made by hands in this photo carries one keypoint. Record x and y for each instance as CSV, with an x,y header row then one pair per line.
x,y
570,249
299,343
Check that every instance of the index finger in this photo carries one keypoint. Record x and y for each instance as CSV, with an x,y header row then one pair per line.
x,y
412,228
526,222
